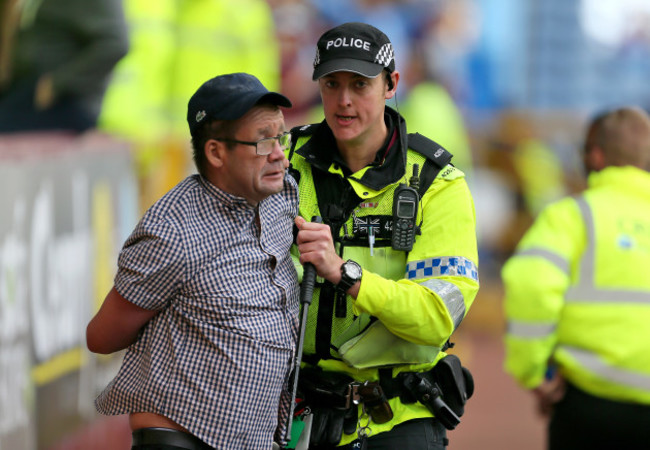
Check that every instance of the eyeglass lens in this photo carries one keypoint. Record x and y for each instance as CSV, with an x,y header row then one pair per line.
x,y
265,146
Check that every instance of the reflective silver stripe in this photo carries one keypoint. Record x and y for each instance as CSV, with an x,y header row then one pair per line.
x,y
585,290
586,267
555,259
588,294
451,296
596,365
529,330
444,265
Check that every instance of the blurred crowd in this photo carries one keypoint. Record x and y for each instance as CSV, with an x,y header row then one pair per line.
x,y
507,86
145,58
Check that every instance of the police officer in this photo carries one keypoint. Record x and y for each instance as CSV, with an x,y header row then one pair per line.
x,y
396,258
577,296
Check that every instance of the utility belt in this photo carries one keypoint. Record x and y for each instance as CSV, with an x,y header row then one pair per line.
x,y
333,397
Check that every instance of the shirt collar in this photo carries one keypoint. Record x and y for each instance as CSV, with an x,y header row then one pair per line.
x,y
229,200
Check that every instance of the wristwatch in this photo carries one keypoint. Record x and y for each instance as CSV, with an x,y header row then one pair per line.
x,y
350,273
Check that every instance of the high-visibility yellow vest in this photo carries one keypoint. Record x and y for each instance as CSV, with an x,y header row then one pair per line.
x,y
419,297
577,290
177,45
540,173
136,103
217,37
430,110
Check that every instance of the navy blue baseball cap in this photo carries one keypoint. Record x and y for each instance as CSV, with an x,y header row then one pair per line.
x,y
229,97
353,47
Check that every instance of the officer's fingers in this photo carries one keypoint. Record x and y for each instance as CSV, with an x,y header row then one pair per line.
x,y
313,232
299,221
310,246
308,254
304,224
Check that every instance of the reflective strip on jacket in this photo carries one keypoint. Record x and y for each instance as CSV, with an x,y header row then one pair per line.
x,y
421,296
577,290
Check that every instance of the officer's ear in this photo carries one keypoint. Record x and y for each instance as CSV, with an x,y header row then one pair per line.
x,y
391,83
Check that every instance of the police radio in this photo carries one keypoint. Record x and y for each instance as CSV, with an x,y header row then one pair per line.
x,y
405,211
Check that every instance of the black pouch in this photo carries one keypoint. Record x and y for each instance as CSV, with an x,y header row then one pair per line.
x,y
455,382
327,395
375,402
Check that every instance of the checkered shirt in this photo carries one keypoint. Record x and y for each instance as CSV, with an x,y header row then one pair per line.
x,y
216,358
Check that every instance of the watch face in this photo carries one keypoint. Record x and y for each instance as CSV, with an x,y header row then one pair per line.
x,y
352,270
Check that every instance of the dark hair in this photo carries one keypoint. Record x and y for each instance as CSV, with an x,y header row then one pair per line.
x,y
210,130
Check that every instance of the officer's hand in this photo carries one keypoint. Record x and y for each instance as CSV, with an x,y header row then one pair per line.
x,y
549,393
316,246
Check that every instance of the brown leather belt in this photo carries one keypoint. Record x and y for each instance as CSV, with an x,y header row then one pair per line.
x,y
168,436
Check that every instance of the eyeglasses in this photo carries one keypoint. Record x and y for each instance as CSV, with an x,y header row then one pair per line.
x,y
265,146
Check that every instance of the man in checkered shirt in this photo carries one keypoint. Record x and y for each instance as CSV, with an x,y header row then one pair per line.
x,y
206,297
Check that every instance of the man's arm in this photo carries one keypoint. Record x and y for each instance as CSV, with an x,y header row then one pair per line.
x,y
535,280
116,325
103,40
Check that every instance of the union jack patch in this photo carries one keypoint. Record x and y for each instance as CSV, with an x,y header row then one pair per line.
x,y
368,205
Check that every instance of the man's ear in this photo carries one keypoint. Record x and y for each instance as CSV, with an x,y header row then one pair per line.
x,y
215,152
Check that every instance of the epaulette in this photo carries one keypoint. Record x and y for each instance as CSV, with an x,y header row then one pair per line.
x,y
431,149
437,159
298,132
303,130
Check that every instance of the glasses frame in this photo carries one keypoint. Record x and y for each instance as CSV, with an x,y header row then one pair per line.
x,y
254,143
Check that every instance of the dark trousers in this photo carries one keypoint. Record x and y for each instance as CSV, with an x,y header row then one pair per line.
x,y
17,112
166,439
582,421
417,434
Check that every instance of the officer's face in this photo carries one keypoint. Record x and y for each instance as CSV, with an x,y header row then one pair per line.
x,y
353,105
244,173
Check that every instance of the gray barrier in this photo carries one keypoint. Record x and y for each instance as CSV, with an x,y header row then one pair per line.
x,y
66,206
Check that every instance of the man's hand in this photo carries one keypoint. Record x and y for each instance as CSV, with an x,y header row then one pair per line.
x,y
549,393
44,96
316,246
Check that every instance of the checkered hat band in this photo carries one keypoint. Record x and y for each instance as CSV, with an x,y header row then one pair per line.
x,y
317,59
385,55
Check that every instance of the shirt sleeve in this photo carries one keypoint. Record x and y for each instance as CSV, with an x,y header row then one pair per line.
x,y
151,264
441,276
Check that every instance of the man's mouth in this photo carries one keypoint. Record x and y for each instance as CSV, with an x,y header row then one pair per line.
x,y
275,172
